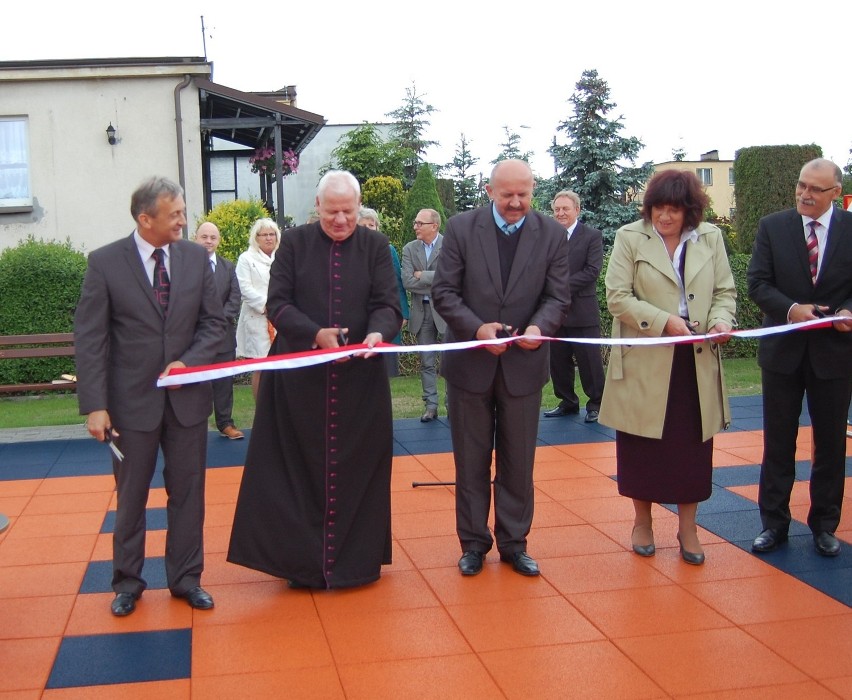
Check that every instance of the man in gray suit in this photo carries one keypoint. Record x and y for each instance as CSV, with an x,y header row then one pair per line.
x,y
503,271
419,262
228,291
585,256
148,306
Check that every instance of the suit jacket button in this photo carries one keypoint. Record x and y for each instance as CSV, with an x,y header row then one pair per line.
x,y
698,350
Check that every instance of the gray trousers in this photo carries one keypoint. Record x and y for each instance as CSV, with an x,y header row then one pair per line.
x,y
427,335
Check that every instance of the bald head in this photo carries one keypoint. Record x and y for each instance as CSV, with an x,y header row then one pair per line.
x,y
208,236
511,188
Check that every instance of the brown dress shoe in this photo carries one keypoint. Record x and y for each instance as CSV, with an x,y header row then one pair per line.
x,y
230,432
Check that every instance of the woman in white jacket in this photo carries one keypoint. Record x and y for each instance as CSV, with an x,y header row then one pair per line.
x,y
253,334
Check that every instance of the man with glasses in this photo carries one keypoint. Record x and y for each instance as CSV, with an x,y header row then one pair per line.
x,y
801,270
419,261
583,320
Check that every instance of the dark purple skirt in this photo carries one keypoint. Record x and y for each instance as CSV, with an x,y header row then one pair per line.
x,y
678,467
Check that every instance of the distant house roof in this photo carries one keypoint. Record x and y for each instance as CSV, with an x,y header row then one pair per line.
x,y
250,118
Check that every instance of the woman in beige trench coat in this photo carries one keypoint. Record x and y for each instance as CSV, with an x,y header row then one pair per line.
x,y
668,275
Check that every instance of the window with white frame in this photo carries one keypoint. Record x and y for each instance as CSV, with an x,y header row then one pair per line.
x,y
730,176
15,193
705,175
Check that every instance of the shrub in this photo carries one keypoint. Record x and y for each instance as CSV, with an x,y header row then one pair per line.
x,y
422,195
385,195
40,283
234,220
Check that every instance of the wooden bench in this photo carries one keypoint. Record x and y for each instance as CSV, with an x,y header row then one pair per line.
x,y
38,345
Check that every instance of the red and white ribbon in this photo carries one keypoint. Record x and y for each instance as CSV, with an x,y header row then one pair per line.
x,y
295,360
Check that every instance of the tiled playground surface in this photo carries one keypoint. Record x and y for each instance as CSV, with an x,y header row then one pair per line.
x,y
600,622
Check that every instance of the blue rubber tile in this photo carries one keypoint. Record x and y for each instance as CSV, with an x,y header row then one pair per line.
x,y
736,476
136,657
93,467
14,472
732,526
836,583
723,501
98,577
222,452
155,519
425,447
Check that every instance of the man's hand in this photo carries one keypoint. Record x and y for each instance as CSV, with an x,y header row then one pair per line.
x,y
844,326
370,341
489,331
169,367
722,328
329,338
98,423
530,344
806,312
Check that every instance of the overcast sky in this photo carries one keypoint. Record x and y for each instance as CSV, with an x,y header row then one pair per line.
x,y
725,75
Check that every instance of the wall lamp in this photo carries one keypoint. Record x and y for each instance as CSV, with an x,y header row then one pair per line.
x,y
111,135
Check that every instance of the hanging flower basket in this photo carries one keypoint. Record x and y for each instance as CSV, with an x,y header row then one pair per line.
x,y
263,161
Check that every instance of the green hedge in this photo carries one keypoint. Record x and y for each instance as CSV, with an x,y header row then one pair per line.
x,y
234,220
40,283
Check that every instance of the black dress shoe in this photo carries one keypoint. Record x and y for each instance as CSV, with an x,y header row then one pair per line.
x,y
198,598
429,414
591,417
123,604
769,540
561,410
470,563
521,562
826,544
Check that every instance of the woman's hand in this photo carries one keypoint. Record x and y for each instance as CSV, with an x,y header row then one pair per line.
x,y
724,329
676,326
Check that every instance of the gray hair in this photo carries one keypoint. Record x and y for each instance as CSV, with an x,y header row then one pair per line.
x,y
340,181
825,164
573,196
371,214
434,215
144,199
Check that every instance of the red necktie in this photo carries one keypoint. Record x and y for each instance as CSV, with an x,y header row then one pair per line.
x,y
813,250
161,278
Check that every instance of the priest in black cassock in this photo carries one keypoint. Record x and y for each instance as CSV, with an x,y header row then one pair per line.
x,y
314,504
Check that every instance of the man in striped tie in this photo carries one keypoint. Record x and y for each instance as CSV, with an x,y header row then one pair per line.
x,y
801,270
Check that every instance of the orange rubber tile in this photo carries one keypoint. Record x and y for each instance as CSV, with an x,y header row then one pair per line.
x,y
153,690
604,509
748,455
221,493
262,647
47,550
392,634
437,460
529,622
569,540
407,463
841,686
423,500
41,579
750,492
34,617
27,662
402,481
566,469
103,547
155,610
13,506
588,670
424,524
218,571
400,590
320,682
765,599
601,572
65,503
460,677
217,514
725,458
256,603
551,514
65,523
819,646
589,450
217,538
810,690
224,475
497,582
76,484
739,438
431,552
401,561
603,465
724,562
713,660
643,611
571,489
22,487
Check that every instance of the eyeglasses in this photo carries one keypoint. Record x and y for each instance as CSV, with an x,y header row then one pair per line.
x,y
418,224
271,234
812,189
559,210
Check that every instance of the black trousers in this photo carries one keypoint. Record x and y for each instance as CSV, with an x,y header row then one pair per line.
x,y
589,363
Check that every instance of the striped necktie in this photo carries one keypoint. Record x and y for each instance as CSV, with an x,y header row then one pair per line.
x,y
161,278
509,229
813,250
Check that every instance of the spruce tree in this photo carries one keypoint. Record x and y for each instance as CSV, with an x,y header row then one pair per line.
x,y
422,195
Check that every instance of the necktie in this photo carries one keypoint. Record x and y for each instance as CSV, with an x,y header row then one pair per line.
x,y
161,278
213,264
813,250
509,229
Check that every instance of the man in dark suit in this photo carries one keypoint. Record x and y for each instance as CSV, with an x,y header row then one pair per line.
x,y
801,269
585,257
149,305
419,262
228,291
503,271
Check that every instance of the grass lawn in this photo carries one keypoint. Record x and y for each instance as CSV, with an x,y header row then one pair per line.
x,y
742,375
